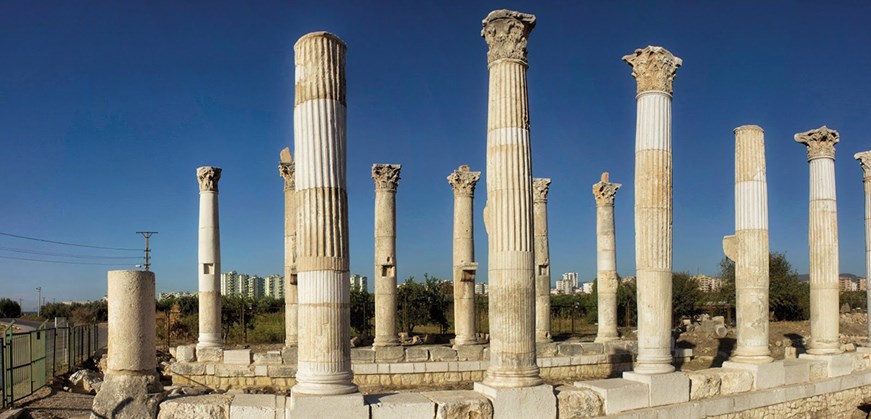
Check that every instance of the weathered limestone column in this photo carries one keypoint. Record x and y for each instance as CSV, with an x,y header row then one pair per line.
x,y
291,308
606,259
209,259
749,247
386,177
654,68
322,227
465,267
823,240
540,188
865,162
131,380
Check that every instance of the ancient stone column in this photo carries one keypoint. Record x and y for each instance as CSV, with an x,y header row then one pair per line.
x,y
749,247
465,267
386,177
291,308
865,161
606,259
322,227
508,212
209,259
823,240
654,69
540,188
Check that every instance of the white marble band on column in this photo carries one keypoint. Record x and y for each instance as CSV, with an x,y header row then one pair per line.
x,y
864,159
209,258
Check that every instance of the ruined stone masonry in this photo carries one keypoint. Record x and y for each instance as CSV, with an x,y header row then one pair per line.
x,y
606,258
386,177
463,182
209,266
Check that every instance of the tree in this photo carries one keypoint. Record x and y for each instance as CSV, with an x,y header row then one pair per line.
x,y
9,308
362,310
627,303
686,297
788,298
413,305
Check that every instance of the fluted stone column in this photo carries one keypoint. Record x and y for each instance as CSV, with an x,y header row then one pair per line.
x,y
386,177
322,228
291,308
749,247
823,240
865,162
508,213
606,259
209,259
540,188
463,182
654,69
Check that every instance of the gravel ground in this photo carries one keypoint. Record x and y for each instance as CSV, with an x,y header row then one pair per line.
x,y
51,403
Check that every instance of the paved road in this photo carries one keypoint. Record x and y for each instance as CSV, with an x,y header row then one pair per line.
x,y
27,325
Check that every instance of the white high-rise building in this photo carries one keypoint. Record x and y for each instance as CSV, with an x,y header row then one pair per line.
x,y
359,282
273,286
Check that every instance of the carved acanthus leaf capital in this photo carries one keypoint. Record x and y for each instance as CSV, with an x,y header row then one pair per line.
x,y
506,33
287,170
463,181
386,176
605,191
208,178
864,161
654,68
540,188
820,142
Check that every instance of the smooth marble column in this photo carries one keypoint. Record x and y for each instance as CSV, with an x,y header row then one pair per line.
x,y
823,241
209,267
540,188
463,182
654,69
286,169
865,162
386,177
606,259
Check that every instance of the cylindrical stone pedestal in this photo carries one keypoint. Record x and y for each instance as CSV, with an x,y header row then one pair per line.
x,y
654,69
132,327
606,259
823,241
865,162
508,213
463,182
286,169
540,188
386,177
209,260
322,228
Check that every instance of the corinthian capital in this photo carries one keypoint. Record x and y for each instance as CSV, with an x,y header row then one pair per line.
x,y
864,161
540,188
654,68
287,169
820,142
208,177
386,176
605,191
506,33
463,180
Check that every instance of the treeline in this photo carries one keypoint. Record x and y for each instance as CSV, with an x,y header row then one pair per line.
x,y
77,313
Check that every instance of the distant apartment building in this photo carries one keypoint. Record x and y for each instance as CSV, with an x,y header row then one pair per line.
x,y
252,286
627,280
482,289
848,283
863,284
172,294
567,284
586,288
359,282
708,283
273,286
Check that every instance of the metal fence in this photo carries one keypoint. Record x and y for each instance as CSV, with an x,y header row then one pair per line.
x,y
29,359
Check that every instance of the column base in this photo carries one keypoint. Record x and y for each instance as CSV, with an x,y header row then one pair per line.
x,y
324,385
825,350
606,338
836,364
385,341
304,406
765,375
524,402
210,340
654,365
513,378
751,359
543,338
465,340
663,389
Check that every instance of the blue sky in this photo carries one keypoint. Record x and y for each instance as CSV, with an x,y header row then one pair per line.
x,y
106,110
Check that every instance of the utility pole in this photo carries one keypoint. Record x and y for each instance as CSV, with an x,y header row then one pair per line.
x,y
38,301
147,235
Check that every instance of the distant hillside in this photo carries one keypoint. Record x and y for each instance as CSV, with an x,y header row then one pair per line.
x,y
806,277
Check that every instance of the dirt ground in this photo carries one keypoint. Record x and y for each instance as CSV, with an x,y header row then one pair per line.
x,y
50,403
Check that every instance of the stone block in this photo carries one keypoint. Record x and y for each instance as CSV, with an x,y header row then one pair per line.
x,y
268,358
703,384
128,396
362,355
546,349
460,404
733,381
718,406
576,402
345,406
237,357
280,371
836,365
766,375
664,389
522,402
400,406
210,354
619,394
389,354
289,355
365,368
570,349
185,368
486,355
416,354
186,353
819,370
402,368
683,353
210,369
796,371
229,370
260,370
436,367
757,399
470,352
254,406
593,348
186,407
441,353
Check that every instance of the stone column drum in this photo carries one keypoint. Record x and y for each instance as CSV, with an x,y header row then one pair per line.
x,y
865,162
823,240
463,182
209,259
749,247
291,308
606,259
540,188
654,69
508,212
322,228
386,177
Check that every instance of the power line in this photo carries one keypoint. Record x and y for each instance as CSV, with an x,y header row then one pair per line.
x,y
66,255
64,261
67,244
